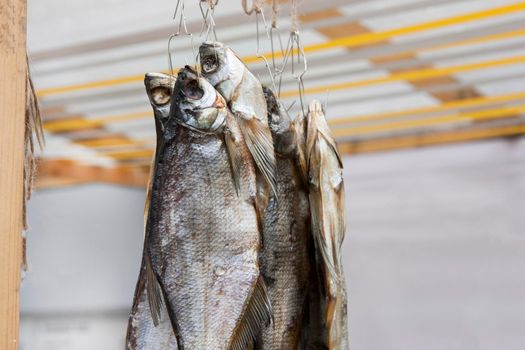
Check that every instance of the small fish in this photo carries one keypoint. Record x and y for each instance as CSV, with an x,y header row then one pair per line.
x,y
325,174
202,236
286,237
142,333
244,95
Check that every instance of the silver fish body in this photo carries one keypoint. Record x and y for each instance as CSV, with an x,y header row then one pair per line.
x,y
203,237
142,333
286,238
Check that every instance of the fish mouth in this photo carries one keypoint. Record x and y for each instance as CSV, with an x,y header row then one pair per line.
x,y
216,44
189,85
208,53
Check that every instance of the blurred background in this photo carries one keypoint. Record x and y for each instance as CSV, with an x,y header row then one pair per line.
x,y
426,99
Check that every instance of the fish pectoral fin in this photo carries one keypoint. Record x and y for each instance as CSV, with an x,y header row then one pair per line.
x,y
298,126
261,200
154,293
257,314
258,138
233,142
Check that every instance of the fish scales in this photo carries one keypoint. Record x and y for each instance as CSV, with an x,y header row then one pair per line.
x,y
285,254
206,239
284,259
142,333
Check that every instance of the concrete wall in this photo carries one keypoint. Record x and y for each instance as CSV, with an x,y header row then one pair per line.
x,y
434,255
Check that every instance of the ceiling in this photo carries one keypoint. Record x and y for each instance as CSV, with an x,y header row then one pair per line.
x,y
393,74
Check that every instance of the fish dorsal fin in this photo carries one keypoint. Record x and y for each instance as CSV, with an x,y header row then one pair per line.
x,y
258,138
257,314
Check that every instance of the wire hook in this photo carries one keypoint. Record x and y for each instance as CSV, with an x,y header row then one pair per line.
x,y
209,21
296,55
274,29
182,28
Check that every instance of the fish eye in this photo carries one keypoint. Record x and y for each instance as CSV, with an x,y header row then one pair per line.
x,y
193,91
161,95
209,63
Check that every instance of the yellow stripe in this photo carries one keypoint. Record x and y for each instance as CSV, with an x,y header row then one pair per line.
x,y
473,102
123,155
90,85
76,124
349,41
57,126
409,75
425,122
370,38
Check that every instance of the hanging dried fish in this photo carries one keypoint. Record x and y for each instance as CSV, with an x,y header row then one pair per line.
x,y
325,175
285,261
142,333
202,233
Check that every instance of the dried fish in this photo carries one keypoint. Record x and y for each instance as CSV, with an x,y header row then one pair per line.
x,y
202,234
142,333
286,237
325,175
244,95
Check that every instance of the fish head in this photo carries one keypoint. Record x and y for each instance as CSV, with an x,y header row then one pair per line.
x,y
159,87
316,117
196,104
277,119
280,124
221,66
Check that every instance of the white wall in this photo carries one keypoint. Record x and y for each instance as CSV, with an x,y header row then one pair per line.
x,y
434,254
435,250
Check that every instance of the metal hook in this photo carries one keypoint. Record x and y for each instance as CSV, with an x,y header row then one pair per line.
x,y
271,72
255,7
274,29
295,53
182,26
209,21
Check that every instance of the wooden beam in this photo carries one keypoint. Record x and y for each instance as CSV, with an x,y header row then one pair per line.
x,y
12,108
59,173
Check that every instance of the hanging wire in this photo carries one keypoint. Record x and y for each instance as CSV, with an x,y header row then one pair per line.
x,y
257,8
207,8
274,31
182,28
295,54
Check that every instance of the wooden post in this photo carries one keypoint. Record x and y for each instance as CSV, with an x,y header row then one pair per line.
x,y
12,121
